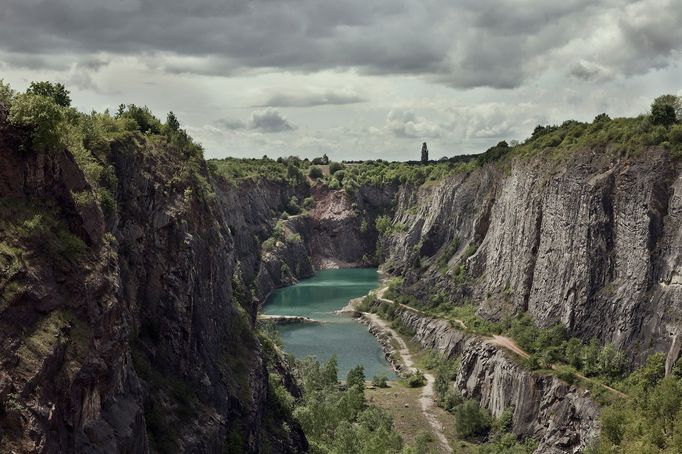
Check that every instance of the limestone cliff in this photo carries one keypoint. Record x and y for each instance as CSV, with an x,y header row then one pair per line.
x,y
120,332
588,240
559,416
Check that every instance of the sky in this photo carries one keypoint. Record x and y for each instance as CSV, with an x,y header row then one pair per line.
x,y
355,79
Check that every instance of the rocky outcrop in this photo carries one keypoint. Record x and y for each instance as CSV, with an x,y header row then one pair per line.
x,y
559,416
587,240
343,233
122,333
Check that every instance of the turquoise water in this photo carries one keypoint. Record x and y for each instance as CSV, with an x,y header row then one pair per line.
x,y
318,298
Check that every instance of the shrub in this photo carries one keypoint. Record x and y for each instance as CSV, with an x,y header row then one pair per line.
x,y
43,116
57,92
356,377
315,172
382,224
471,420
451,400
416,380
6,94
335,167
567,376
664,110
380,381
292,205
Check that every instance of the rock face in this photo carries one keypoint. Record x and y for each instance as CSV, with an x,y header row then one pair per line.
x,y
543,407
588,240
343,233
122,332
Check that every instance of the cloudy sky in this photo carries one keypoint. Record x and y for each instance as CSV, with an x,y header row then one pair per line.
x,y
355,79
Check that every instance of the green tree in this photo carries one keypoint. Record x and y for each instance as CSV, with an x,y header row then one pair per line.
x,y
471,420
172,122
330,372
6,94
43,116
356,377
335,167
57,92
315,172
442,383
665,110
382,224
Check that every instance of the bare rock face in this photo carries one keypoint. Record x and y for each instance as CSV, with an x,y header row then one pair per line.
x,y
543,407
124,334
588,241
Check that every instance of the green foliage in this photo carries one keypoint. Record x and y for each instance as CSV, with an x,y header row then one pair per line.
x,y
508,443
650,420
334,184
56,92
235,170
382,224
665,110
471,420
335,167
6,94
172,122
380,381
142,118
337,420
416,379
315,173
324,160
43,116
292,205
494,153
308,203
356,377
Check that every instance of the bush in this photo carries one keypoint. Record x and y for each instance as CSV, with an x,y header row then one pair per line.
x,y
380,381
567,376
292,205
451,400
43,116
315,173
416,380
335,167
356,377
57,92
471,420
382,224
664,110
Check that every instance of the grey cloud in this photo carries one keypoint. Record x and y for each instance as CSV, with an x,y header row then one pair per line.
x,y
270,121
311,99
406,124
231,124
266,121
499,43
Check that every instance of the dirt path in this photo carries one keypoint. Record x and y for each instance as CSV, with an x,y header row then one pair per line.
x,y
501,341
426,399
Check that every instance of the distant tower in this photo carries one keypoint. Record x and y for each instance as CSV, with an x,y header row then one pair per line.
x,y
425,153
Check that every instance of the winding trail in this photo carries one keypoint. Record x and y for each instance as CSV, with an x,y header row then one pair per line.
x,y
426,399
501,341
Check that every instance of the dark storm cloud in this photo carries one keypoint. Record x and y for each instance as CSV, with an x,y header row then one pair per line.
x,y
265,121
311,99
464,44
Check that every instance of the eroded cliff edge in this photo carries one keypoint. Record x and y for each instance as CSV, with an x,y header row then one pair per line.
x,y
120,328
588,239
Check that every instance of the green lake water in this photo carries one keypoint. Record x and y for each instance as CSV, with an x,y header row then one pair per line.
x,y
319,297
